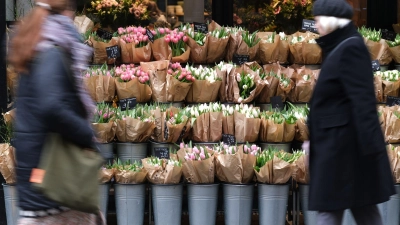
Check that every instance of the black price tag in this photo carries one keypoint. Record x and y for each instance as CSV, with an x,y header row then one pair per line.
x,y
276,102
113,52
200,27
376,66
309,25
104,34
128,103
240,59
161,152
388,35
150,35
391,101
229,139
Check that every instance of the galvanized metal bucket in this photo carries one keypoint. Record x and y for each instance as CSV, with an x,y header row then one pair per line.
x,y
202,200
279,146
348,218
11,202
390,210
310,217
107,151
167,203
272,203
132,151
238,202
104,190
130,203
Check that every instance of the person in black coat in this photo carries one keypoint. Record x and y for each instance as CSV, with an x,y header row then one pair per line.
x,y
349,166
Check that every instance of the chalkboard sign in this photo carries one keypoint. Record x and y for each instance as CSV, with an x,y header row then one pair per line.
x,y
113,52
104,34
276,102
376,66
309,25
228,139
128,103
240,59
161,152
391,101
200,27
150,35
388,35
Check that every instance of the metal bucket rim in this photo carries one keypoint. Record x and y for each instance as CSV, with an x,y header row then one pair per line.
x,y
165,185
265,184
11,185
238,185
122,184
203,185
107,143
131,143
156,142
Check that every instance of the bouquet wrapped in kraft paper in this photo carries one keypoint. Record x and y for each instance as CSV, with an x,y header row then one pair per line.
x,y
198,43
378,86
228,120
217,41
7,163
157,71
99,49
132,53
133,82
106,173
304,49
286,83
163,171
274,167
302,133
9,117
179,82
104,125
274,48
205,87
305,82
392,124
130,173
249,45
301,172
235,38
390,83
272,128
160,48
206,122
247,124
213,26
394,48
223,70
12,81
198,165
100,83
271,79
377,47
83,24
172,124
135,125
234,166
244,85
177,41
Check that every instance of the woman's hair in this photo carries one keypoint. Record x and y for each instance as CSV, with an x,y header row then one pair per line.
x,y
28,32
330,23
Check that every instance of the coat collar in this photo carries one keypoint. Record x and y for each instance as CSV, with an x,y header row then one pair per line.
x,y
330,41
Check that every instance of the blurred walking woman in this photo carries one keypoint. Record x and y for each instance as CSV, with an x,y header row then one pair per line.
x,y
349,166
48,53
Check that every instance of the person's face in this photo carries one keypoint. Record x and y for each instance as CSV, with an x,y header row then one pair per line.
x,y
318,26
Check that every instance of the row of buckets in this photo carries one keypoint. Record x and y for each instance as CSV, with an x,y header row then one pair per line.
x,y
166,203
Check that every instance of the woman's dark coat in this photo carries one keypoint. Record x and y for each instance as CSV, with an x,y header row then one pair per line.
x,y
349,166
47,102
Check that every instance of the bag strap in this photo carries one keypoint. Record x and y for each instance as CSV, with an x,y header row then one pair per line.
x,y
340,44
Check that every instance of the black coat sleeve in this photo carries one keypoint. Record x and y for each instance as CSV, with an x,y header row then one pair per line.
x,y
57,99
357,78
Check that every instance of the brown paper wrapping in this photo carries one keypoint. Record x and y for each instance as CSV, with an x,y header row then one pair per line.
x,y
271,86
263,135
395,51
222,74
296,53
158,79
7,163
302,132
203,91
105,132
83,24
246,129
260,84
275,132
268,52
213,26
229,168
216,49
300,170
130,177
99,51
182,58
105,175
101,88
232,47
275,171
312,53
159,120
304,89
12,81
390,88
197,172
176,90
133,89
134,130
166,174
244,49
131,54
248,163
228,125
175,131
208,127
289,132
392,128
378,88
9,117
161,49
284,50
198,53
386,57
283,91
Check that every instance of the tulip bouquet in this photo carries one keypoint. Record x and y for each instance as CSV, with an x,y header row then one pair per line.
x,y
206,122
179,82
132,82
394,48
274,48
390,83
247,123
129,173
217,41
198,43
394,159
206,86
235,38
378,47
271,78
99,48
223,69
228,120
300,167
249,45
100,83
135,46
278,127
197,163
391,121
106,173
301,113
305,80
104,124
286,83
304,48
163,171
160,48
135,125
177,41
7,159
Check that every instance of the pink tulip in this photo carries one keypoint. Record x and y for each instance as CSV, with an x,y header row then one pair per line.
x,y
254,147
167,40
196,150
135,30
108,74
193,79
188,77
145,38
161,30
143,74
170,71
192,157
185,38
153,32
87,75
202,156
187,158
245,149
167,30
175,40
180,77
182,145
147,78
140,38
